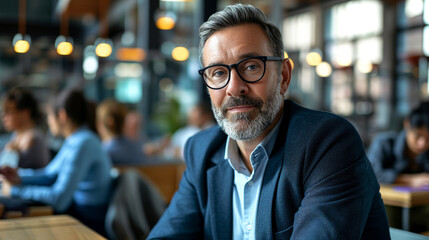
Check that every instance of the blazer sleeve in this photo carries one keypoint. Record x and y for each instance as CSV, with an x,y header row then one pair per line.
x,y
183,218
341,192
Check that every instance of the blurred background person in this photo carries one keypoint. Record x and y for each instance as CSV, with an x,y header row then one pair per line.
x,y
21,115
403,158
77,181
111,117
132,126
198,118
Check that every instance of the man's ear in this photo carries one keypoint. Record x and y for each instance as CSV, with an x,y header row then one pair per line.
x,y
286,75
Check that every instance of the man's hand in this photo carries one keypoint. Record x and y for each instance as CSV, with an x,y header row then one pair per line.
x,y
10,175
5,186
413,180
420,180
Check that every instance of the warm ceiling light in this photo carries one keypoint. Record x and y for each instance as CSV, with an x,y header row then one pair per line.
x,y
180,54
103,50
165,23
343,59
64,48
64,45
324,69
313,58
130,54
103,47
165,20
21,44
364,66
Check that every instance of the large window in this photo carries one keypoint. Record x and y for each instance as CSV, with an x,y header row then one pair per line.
x,y
299,37
411,54
354,47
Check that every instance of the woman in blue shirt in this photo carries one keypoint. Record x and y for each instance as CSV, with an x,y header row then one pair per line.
x,y
77,181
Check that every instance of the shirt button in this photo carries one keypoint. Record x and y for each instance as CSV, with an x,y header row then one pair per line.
x,y
250,183
249,227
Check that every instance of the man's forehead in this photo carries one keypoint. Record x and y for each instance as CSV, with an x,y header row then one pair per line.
x,y
238,42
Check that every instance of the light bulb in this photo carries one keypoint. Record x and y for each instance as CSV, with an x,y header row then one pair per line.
x,y
313,58
180,54
21,43
103,48
324,69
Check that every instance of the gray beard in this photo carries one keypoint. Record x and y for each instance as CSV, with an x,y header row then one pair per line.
x,y
241,126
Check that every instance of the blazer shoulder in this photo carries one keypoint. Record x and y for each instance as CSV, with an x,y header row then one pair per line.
x,y
203,145
309,121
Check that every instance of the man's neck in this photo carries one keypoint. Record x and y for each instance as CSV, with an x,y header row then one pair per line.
x,y
246,147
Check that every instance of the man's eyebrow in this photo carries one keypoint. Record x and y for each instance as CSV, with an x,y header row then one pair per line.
x,y
242,56
251,54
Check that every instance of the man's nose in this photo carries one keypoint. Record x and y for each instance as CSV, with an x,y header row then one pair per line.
x,y
236,85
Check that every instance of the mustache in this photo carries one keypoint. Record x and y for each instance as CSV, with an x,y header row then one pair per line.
x,y
239,101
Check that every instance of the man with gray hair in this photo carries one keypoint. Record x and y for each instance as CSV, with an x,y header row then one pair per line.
x,y
271,169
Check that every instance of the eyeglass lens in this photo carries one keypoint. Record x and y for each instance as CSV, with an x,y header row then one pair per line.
x,y
250,70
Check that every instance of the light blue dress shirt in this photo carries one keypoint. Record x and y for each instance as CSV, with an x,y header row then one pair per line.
x,y
247,186
79,173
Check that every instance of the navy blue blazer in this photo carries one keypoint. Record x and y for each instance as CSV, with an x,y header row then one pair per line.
x,y
318,184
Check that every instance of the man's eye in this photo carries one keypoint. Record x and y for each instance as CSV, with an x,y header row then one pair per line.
x,y
251,67
218,73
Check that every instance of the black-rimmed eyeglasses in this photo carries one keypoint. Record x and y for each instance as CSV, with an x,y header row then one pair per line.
x,y
251,70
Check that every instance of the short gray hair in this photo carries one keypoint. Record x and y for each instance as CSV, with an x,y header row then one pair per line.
x,y
240,14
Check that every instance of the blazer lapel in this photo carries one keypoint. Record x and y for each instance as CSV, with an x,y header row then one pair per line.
x,y
264,216
220,183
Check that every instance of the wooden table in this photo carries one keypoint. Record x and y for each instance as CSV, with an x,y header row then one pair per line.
x,y
45,228
405,200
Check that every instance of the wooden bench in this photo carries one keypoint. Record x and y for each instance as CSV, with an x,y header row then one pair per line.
x,y
165,176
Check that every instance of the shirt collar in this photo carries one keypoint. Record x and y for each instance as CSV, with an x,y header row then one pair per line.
x,y
266,145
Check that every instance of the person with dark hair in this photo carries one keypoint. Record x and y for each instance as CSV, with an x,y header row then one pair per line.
x,y
110,124
403,158
77,181
21,115
271,169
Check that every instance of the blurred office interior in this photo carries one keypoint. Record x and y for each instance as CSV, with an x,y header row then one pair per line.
x,y
366,60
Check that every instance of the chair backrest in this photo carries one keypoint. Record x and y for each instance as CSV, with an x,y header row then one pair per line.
x,y
135,207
